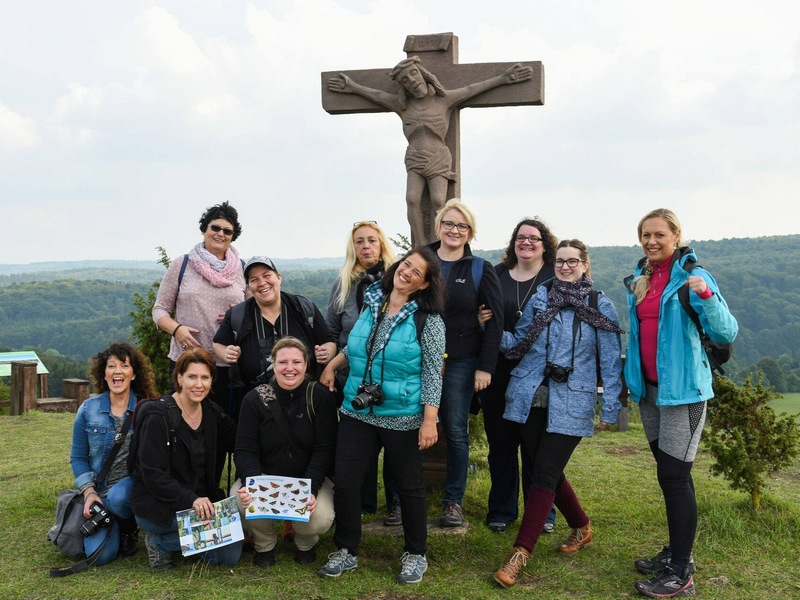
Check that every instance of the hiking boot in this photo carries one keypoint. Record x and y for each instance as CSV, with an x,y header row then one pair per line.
x,y
338,562
654,566
667,584
508,573
265,559
452,515
128,537
394,516
577,540
287,535
305,557
156,558
413,567
497,526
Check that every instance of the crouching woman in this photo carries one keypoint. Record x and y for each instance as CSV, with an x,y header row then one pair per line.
x,y
174,468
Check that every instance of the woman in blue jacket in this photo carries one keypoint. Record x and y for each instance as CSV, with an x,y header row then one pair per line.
x,y
562,340
391,400
123,376
668,374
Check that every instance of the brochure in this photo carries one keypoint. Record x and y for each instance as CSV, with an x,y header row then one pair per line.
x,y
224,528
275,497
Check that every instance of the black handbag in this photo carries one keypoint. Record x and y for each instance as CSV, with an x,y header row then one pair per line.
x,y
66,532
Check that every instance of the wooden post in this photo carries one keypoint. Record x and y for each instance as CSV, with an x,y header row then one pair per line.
x,y
43,385
23,387
77,389
624,397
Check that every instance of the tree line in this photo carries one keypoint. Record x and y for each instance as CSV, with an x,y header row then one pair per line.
x,y
759,277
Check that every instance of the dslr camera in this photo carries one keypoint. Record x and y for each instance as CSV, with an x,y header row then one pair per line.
x,y
100,518
369,394
557,373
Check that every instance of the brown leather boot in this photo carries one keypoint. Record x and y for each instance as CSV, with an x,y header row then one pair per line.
x,y
507,574
577,539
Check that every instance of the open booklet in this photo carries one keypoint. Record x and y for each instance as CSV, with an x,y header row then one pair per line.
x,y
277,497
224,528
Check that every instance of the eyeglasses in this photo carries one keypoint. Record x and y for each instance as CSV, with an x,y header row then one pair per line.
x,y
360,223
570,262
217,229
448,225
527,238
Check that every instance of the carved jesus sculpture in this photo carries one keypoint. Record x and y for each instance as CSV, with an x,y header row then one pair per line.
x,y
425,107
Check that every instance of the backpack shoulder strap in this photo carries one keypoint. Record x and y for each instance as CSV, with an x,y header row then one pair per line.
x,y
308,309
237,318
477,271
420,318
183,270
683,296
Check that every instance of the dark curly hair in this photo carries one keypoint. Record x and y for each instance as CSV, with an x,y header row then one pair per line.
x,y
222,211
144,383
430,299
548,239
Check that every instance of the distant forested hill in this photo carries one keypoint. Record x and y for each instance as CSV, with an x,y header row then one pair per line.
x,y
759,277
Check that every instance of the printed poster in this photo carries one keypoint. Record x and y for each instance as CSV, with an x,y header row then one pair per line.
x,y
275,497
224,528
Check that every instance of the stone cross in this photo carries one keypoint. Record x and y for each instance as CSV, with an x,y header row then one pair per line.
x,y
376,90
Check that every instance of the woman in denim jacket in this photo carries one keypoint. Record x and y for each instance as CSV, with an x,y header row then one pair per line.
x,y
123,376
562,342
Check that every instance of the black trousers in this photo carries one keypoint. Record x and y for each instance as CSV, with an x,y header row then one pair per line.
x,y
357,445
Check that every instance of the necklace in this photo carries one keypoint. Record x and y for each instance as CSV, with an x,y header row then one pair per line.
x,y
192,419
531,287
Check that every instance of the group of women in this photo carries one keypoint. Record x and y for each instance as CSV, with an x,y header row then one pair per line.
x,y
531,337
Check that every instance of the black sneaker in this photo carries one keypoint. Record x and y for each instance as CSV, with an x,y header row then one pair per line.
x,y
654,566
394,515
305,557
452,515
668,584
265,559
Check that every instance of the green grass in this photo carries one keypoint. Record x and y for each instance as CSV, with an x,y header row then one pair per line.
x,y
740,553
790,403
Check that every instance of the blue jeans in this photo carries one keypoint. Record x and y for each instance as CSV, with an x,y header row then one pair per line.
x,y
166,540
117,500
458,387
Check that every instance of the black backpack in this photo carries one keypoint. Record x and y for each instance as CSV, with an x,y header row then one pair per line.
x,y
718,354
142,410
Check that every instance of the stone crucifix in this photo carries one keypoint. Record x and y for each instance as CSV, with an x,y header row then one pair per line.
x,y
426,90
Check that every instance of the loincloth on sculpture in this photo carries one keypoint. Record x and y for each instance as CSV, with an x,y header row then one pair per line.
x,y
430,164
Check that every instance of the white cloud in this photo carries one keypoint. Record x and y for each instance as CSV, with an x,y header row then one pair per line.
x,y
16,131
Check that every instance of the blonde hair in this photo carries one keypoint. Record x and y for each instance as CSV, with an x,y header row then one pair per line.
x,y
465,211
349,273
290,342
583,252
641,284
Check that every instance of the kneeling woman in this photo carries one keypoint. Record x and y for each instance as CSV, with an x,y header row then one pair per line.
x,y
288,427
175,470
561,340
123,376
395,353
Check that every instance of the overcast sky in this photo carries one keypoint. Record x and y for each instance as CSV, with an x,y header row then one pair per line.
x,y
120,122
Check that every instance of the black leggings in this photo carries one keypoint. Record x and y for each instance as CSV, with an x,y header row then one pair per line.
x,y
675,479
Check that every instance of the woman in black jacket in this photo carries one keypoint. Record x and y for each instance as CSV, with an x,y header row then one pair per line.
x,y
308,451
175,468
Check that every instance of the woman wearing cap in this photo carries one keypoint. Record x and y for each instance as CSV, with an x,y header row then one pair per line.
x,y
250,329
198,288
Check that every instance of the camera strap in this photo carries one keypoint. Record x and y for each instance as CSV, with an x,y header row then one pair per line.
x,y
119,438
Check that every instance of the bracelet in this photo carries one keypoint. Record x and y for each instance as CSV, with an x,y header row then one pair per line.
x,y
174,331
85,496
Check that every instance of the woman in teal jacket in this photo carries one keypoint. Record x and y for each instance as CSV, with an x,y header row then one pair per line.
x,y
668,374
391,400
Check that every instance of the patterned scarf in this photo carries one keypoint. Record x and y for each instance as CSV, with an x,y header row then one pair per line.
x,y
564,294
373,298
219,273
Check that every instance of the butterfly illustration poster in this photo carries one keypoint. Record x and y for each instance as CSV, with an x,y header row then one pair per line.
x,y
277,497
224,528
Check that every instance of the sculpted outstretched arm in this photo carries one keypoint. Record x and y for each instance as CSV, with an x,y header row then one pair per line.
x,y
514,74
342,84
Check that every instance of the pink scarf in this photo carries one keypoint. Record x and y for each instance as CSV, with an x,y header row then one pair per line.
x,y
200,259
